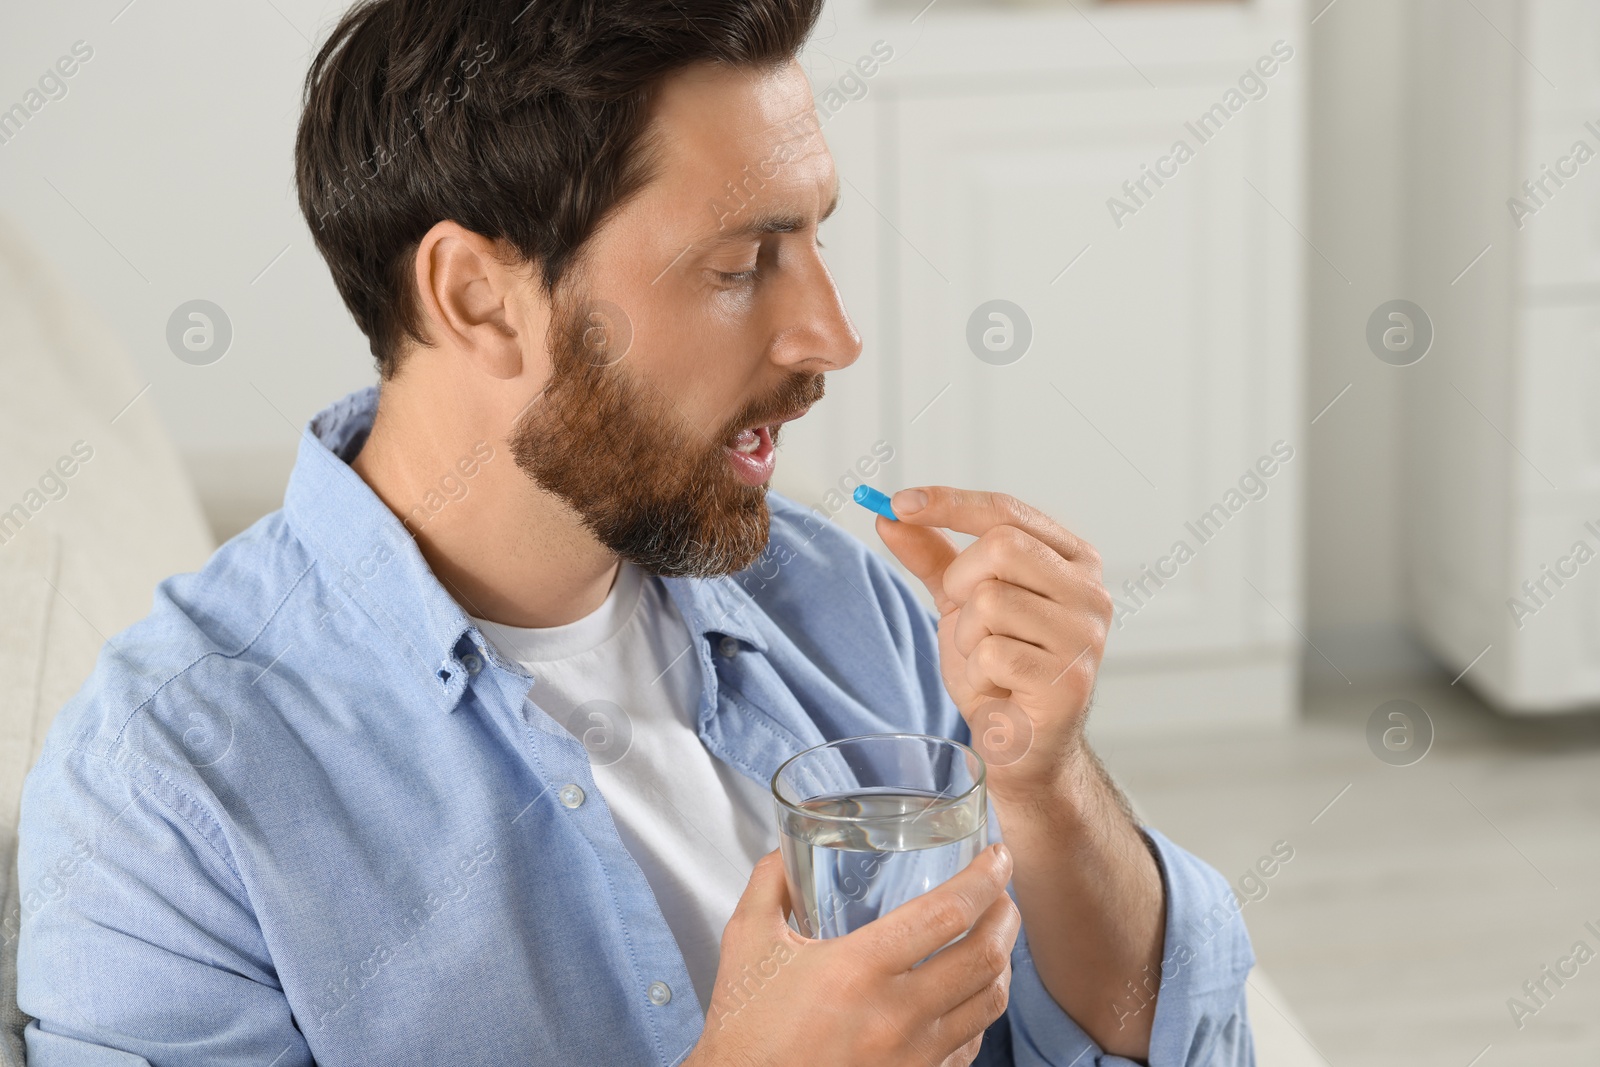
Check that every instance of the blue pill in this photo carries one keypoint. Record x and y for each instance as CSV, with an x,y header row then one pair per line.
x,y
873,500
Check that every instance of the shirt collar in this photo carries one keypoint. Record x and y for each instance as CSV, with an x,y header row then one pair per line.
x,y
718,606
373,559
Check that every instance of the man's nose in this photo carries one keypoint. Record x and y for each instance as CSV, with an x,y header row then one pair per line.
x,y
816,334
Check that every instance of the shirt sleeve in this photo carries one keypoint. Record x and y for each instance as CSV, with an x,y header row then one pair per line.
x,y
1200,1018
137,943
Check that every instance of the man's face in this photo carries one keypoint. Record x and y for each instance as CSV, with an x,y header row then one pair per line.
x,y
701,320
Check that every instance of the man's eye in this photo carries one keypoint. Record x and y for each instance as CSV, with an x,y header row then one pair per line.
x,y
743,277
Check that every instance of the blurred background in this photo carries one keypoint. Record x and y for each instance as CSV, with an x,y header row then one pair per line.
x,y
1291,307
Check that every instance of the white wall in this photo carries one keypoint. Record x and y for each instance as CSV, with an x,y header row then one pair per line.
x,y
164,175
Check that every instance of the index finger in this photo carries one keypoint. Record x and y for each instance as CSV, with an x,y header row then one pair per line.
x,y
921,926
975,512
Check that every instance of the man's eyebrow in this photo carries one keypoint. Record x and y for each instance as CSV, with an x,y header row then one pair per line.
x,y
761,222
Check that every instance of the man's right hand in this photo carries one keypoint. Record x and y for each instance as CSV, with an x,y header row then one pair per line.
x,y
861,1000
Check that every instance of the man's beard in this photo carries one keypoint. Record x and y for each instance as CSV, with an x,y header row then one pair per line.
x,y
651,488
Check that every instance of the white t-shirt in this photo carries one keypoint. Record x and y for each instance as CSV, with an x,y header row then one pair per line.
x,y
695,826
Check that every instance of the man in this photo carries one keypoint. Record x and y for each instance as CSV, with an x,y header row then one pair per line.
x,y
462,756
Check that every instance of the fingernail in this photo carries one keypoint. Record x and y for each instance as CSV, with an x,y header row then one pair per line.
x,y
1001,853
907,501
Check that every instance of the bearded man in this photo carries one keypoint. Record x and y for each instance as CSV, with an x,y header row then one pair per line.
x,y
463,755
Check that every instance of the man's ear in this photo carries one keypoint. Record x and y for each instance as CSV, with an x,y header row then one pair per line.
x,y
467,297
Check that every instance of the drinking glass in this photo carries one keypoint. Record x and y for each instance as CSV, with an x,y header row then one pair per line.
x,y
867,823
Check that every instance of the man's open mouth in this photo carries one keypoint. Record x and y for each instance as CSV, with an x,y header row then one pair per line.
x,y
751,451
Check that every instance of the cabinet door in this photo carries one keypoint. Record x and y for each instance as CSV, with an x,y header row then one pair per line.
x,y
1163,357
1549,608
1554,204
1558,40
1553,196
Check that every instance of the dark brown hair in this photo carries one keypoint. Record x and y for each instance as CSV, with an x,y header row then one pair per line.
x,y
522,121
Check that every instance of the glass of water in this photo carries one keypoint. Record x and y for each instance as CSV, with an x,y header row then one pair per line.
x,y
868,823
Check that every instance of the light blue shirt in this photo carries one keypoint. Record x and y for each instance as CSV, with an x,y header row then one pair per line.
x,y
304,812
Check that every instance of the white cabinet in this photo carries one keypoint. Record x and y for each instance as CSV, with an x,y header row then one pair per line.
x,y
1504,454
980,164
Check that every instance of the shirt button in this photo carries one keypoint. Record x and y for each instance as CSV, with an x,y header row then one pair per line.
x,y
728,646
660,993
571,795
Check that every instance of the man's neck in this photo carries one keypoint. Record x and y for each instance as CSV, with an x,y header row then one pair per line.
x,y
506,550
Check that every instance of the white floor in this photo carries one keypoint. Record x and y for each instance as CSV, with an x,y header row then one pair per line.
x,y
1424,896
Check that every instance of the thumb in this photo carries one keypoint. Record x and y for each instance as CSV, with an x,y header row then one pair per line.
x,y
764,903
925,550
